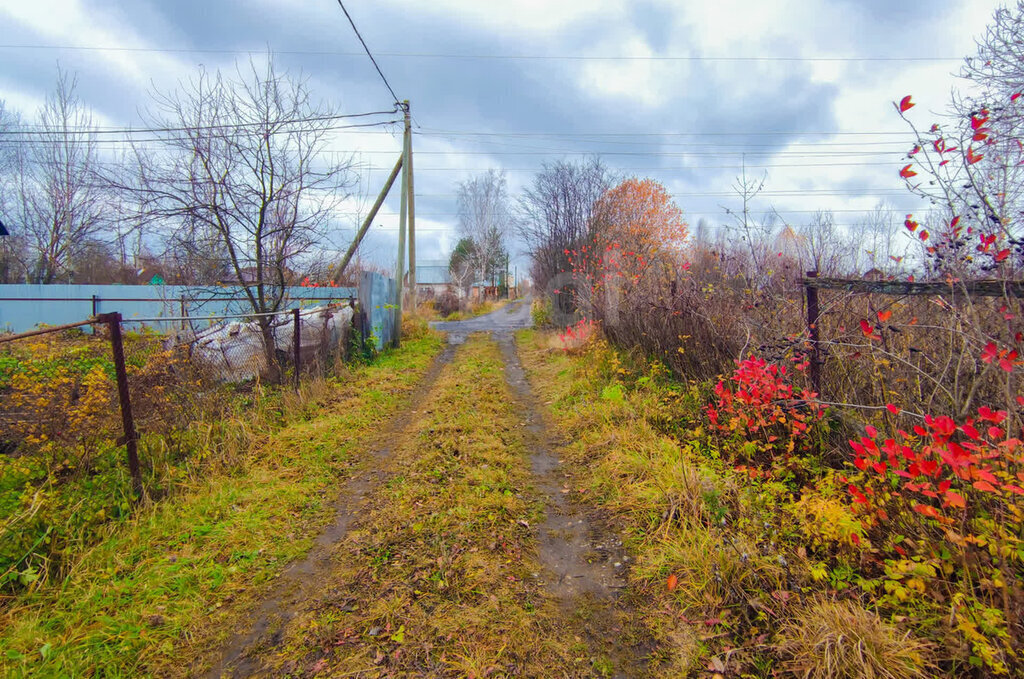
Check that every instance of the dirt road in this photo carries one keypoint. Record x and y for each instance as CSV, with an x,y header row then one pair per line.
x,y
456,551
501,323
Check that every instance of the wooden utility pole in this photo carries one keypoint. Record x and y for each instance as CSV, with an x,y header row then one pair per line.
x,y
412,212
402,223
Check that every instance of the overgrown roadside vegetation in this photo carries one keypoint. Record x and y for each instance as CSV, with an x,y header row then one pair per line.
x,y
440,576
173,578
744,568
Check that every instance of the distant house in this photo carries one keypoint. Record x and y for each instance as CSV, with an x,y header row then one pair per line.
x,y
432,278
874,275
482,290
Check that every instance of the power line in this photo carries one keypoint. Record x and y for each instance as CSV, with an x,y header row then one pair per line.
x,y
380,72
896,156
740,133
724,150
888,191
127,131
28,136
685,168
688,213
658,154
493,57
903,143
575,136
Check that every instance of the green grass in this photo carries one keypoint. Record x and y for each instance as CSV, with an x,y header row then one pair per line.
x,y
177,576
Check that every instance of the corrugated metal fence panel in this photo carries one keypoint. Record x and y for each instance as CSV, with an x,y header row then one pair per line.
x,y
24,307
377,297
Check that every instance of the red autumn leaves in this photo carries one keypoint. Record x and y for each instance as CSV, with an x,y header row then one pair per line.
x,y
306,283
939,462
759,400
869,330
979,133
987,240
1005,358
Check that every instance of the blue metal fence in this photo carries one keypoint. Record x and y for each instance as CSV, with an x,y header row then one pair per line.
x,y
25,307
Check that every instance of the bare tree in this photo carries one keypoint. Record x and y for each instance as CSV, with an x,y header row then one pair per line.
x,y
755,234
241,183
9,124
875,239
61,204
972,169
12,246
824,247
998,73
555,215
485,219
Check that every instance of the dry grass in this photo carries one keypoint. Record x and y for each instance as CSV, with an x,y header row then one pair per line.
x,y
842,640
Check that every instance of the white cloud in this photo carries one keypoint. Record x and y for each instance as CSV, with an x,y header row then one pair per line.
x,y
537,18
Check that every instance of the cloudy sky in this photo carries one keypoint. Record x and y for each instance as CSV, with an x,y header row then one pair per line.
x,y
683,92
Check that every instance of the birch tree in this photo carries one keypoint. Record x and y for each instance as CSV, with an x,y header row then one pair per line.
x,y
485,220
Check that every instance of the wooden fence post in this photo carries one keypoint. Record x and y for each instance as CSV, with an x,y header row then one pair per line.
x,y
813,313
130,438
297,346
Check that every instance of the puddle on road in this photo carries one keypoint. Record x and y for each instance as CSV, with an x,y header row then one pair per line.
x,y
505,320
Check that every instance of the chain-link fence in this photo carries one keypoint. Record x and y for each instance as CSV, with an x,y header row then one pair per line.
x,y
116,409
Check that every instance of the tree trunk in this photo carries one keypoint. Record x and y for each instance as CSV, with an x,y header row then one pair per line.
x,y
270,349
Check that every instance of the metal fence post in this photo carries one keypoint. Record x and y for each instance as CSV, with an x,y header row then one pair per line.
x,y
297,345
130,438
813,314
95,305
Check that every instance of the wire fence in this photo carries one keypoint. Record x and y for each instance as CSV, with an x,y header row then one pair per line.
x,y
918,345
68,395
